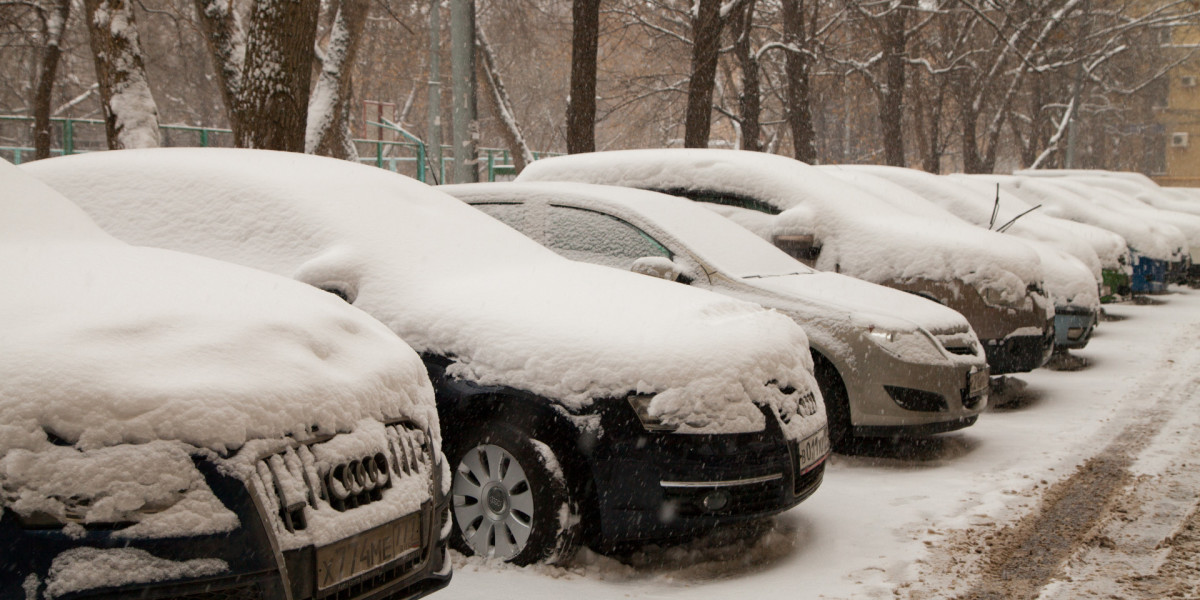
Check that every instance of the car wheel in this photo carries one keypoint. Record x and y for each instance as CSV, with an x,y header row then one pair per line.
x,y
511,501
837,403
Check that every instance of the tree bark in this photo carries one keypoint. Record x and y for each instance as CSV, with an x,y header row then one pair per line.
x,y
226,42
581,105
55,25
501,105
328,125
130,115
274,90
750,100
706,44
799,88
894,44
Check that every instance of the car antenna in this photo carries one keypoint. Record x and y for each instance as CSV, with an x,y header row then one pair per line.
x,y
995,208
1005,226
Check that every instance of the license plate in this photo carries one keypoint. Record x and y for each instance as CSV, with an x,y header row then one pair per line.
x,y
977,383
342,560
811,450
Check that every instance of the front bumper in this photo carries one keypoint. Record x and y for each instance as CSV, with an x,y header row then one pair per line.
x,y
256,569
879,393
1019,353
652,486
1073,327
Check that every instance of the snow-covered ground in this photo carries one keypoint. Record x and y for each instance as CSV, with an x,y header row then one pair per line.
x,y
876,527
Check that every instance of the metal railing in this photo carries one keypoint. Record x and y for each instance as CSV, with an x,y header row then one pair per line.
x,y
407,155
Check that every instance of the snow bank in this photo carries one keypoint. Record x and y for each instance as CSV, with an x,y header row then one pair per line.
x,y
453,281
860,235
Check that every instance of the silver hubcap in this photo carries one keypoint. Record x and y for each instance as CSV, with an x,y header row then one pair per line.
x,y
492,502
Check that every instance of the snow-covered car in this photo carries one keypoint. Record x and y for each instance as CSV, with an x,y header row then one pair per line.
x,y
1136,193
1154,244
1111,248
995,282
172,426
577,402
889,364
1070,266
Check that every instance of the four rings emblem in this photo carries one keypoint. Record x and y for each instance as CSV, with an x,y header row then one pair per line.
x,y
351,478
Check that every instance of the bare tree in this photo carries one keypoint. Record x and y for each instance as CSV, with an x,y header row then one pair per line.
x,y
799,91
706,43
130,114
53,16
581,104
749,100
501,104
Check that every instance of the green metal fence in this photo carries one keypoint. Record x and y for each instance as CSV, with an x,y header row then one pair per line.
x,y
406,155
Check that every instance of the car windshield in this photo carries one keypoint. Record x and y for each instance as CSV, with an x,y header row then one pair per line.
x,y
720,242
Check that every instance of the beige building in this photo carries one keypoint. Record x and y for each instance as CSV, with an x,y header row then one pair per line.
x,y
1180,117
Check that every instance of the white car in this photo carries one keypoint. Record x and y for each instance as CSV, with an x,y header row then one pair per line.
x,y
994,281
577,403
890,364
174,426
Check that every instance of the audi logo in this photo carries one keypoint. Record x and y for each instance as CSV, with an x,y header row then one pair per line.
x,y
357,476
806,406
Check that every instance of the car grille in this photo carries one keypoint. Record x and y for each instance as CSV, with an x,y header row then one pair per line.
x,y
957,343
247,592
292,481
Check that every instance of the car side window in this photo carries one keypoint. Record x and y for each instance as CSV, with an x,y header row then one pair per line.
x,y
509,213
724,199
594,237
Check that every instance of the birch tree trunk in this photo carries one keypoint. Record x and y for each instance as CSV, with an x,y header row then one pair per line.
x,y
55,24
328,126
581,105
706,45
130,114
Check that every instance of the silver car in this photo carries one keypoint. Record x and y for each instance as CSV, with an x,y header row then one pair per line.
x,y
888,363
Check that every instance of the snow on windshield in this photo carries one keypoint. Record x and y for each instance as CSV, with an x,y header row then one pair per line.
x,y
859,234
453,281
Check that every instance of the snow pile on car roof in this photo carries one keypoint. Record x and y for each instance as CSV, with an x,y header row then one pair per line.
x,y
102,343
859,234
453,281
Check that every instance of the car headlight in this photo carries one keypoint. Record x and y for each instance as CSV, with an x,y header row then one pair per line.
x,y
641,407
912,346
999,299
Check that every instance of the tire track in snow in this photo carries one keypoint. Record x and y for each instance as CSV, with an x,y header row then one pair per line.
x,y
1025,557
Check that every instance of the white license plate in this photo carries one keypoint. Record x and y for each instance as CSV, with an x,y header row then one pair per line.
x,y
811,450
342,560
977,383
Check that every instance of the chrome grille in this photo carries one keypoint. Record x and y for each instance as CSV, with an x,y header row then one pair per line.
x,y
961,344
292,480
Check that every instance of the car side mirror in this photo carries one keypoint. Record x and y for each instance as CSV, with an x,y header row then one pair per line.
x,y
657,266
802,247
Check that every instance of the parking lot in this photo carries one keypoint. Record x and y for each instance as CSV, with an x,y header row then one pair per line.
x,y
1080,485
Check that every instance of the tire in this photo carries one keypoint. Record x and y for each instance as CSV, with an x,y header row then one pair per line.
x,y
510,499
837,403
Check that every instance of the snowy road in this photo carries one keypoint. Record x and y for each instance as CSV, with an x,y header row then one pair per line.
x,y
963,514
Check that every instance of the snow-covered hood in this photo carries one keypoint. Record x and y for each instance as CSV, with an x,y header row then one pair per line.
x,y
451,280
1130,198
102,343
865,304
860,234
